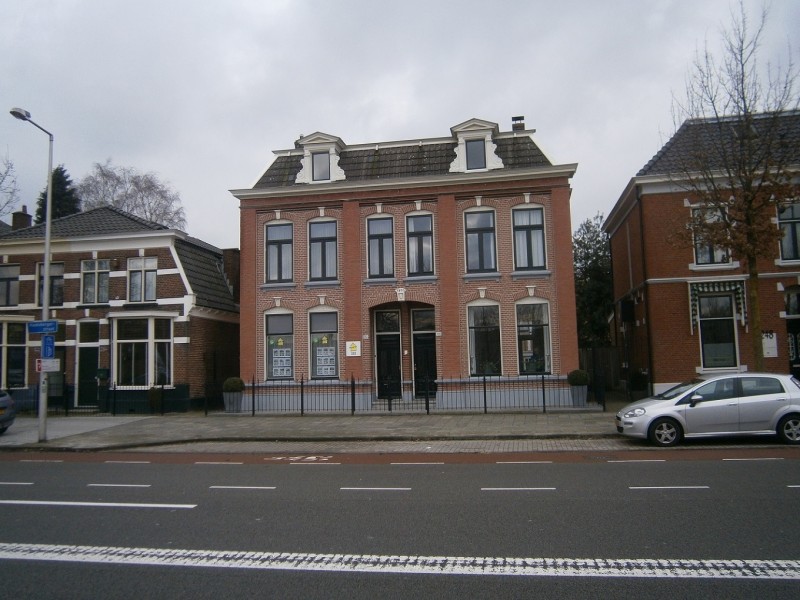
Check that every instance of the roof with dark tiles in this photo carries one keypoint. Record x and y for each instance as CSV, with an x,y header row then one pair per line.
x,y
104,219
414,159
201,262
707,137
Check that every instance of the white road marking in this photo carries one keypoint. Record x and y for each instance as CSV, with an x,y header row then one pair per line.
x,y
752,459
640,460
518,489
240,487
315,464
524,462
39,460
16,483
376,489
412,565
127,462
94,504
669,487
406,464
221,462
121,485
793,486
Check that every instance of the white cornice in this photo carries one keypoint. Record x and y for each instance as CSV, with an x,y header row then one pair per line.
x,y
143,239
499,175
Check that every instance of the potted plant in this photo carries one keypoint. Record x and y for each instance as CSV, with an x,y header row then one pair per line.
x,y
579,385
232,389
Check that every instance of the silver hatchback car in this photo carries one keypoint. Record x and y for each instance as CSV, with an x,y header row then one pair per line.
x,y
722,405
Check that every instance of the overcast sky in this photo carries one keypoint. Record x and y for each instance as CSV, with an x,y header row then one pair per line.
x,y
202,92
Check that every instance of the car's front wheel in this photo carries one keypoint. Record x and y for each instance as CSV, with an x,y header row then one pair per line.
x,y
665,432
789,429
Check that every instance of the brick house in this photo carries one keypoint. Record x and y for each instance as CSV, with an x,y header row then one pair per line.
x,y
398,262
681,309
137,305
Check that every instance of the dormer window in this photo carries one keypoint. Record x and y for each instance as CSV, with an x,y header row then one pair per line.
x,y
476,154
475,147
321,166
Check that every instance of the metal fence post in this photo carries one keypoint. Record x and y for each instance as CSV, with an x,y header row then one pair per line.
x,y
302,398
426,381
544,399
352,394
485,406
253,397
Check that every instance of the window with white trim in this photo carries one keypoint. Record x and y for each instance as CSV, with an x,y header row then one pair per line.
x,y
484,339
706,253
533,338
380,237
280,345
13,354
322,250
320,166
323,333
717,331
9,285
476,154
419,229
479,231
144,351
529,253
94,281
789,221
142,272
279,253
56,284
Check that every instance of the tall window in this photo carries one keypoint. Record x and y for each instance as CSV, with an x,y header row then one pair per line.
x,y
94,281
322,249
323,329
717,331
56,283
321,166
381,247
142,279
144,351
13,344
789,219
9,285
280,346
480,241
476,154
420,245
279,253
533,338
706,253
484,340
529,239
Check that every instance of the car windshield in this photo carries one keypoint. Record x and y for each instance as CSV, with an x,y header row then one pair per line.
x,y
676,391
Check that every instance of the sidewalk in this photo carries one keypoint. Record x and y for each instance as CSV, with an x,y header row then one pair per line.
x,y
76,433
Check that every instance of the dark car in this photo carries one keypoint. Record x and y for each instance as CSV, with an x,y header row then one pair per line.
x,y
7,411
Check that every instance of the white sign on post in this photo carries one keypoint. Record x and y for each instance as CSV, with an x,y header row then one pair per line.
x,y
48,365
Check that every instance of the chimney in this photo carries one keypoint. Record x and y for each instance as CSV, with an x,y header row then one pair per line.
x,y
20,219
518,123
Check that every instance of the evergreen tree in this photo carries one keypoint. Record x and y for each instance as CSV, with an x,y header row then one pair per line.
x,y
65,197
593,291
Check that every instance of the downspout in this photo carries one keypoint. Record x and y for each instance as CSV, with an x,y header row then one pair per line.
x,y
646,290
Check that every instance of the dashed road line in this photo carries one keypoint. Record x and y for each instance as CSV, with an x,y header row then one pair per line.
x,y
127,462
751,459
517,489
119,485
241,487
217,462
376,489
412,464
639,460
524,462
646,568
94,504
669,487
16,483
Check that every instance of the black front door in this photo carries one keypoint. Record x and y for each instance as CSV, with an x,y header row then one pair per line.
x,y
87,376
424,364
793,337
388,365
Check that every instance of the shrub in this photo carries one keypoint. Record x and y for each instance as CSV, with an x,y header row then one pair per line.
x,y
578,377
233,384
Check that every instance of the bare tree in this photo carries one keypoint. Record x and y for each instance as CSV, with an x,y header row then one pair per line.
x,y
738,163
8,186
141,194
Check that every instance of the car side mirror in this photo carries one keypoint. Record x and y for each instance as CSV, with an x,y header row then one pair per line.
x,y
695,399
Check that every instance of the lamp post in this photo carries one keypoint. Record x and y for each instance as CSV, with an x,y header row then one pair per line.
x,y
24,115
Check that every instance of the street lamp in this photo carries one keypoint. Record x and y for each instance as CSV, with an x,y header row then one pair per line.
x,y
24,115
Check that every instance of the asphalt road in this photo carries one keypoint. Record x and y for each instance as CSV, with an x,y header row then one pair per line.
x,y
133,527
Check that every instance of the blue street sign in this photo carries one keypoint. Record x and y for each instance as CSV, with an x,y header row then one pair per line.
x,y
42,326
48,346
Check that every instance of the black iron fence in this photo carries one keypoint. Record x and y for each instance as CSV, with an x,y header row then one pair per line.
x,y
473,394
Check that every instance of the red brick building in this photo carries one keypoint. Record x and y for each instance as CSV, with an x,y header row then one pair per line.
x,y
681,309
136,304
399,262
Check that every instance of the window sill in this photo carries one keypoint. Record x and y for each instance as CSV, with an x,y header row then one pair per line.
x,y
139,305
537,274
491,276
322,283
715,267
421,279
787,263
288,285
97,305
381,281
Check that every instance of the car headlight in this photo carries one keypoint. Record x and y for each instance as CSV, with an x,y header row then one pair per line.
x,y
636,412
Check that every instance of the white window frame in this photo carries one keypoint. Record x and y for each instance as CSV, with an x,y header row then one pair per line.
x,y
317,370
472,359
529,231
732,318
548,341
151,375
95,267
481,231
284,359
146,267
380,274
324,241
4,349
416,236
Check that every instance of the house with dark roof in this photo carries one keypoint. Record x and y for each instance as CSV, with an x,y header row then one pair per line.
x,y
681,304
137,306
411,267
